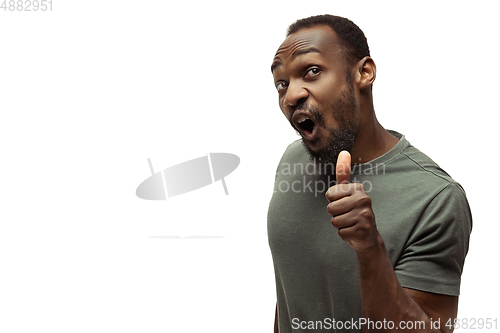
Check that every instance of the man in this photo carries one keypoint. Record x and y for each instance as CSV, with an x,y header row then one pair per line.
x,y
385,250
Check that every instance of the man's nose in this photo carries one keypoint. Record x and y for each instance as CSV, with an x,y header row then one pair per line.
x,y
295,94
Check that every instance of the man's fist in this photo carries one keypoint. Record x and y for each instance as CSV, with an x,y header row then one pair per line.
x,y
351,208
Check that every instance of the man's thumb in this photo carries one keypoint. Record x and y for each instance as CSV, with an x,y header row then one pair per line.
x,y
343,169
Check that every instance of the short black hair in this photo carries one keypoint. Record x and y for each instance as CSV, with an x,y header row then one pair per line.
x,y
351,36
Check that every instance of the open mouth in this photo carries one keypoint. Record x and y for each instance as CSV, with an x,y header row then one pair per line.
x,y
305,124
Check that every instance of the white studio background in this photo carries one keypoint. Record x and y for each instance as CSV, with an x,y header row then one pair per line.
x,y
91,89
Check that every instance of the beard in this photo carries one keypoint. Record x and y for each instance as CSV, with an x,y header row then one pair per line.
x,y
341,138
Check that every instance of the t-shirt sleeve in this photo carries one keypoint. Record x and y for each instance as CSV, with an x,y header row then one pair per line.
x,y
433,257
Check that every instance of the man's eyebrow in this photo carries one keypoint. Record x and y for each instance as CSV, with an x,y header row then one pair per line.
x,y
275,65
311,49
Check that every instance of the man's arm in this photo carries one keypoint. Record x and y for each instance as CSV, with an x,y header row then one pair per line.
x,y
276,320
382,297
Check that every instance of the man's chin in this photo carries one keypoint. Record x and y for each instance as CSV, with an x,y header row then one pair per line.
x,y
314,148
319,154
325,150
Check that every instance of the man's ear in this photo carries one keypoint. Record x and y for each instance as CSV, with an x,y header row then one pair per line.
x,y
365,73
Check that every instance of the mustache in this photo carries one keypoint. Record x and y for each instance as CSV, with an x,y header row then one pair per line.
x,y
315,111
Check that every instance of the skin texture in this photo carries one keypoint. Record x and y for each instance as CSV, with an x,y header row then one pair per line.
x,y
310,69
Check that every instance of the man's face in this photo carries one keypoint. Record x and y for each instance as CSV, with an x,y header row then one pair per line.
x,y
316,93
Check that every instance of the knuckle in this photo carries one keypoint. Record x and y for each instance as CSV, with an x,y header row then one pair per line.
x,y
366,212
329,208
360,187
366,228
365,200
329,193
342,233
337,222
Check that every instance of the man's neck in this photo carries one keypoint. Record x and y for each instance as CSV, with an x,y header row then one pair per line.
x,y
372,142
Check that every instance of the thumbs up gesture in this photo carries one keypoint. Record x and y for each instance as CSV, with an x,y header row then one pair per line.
x,y
351,208
343,168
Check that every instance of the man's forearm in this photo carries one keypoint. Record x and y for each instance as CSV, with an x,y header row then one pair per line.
x,y
383,298
276,320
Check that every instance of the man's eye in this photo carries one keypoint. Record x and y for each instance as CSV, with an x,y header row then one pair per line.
x,y
313,72
280,86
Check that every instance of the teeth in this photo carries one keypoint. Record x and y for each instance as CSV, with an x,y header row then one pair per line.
x,y
302,119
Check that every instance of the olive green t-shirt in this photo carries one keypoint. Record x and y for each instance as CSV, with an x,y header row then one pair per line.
x,y
421,213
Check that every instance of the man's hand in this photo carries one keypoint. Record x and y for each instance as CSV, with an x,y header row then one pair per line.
x,y
351,208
